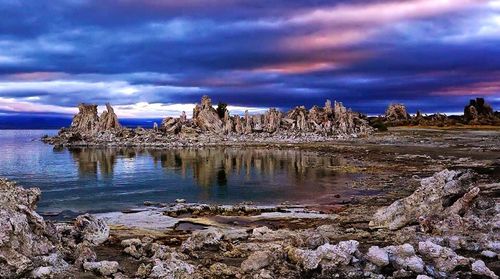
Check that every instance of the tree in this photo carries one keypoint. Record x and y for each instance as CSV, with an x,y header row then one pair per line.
x,y
221,109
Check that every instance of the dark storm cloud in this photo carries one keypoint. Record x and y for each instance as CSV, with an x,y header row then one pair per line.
x,y
431,55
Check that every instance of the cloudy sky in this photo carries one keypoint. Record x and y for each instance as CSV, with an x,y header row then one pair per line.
x,y
153,58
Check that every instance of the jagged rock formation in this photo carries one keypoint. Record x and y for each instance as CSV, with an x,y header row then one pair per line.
x,y
397,113
478,112
206,125
108,120
206,117
328,121
88,122
31,247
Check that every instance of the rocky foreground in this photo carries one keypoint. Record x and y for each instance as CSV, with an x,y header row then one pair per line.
x,y
215,126
448,228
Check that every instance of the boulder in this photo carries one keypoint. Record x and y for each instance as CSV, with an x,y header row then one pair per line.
x,y
256,261
326,255
104,268
480,268
92,229
199,239
378,256
404,257
172,268
443,258
437,194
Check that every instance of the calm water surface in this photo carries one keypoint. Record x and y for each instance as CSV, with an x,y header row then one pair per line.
x,y
86,179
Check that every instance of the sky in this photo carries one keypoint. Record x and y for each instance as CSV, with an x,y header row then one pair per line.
x,y
156,58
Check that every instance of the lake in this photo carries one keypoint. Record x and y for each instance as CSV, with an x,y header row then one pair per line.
x,y
100,180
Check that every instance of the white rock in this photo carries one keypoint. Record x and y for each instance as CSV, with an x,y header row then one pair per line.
x,y
443,258
105,268
256,261
489,254
479,268
377,256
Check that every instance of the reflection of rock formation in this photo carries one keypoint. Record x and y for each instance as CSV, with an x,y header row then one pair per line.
x,y
214,166
90,161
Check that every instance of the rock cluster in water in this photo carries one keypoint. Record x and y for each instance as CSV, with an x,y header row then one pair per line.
x,y
208,125
477,112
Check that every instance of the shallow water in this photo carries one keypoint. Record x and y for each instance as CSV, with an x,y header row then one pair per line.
x,y
87,179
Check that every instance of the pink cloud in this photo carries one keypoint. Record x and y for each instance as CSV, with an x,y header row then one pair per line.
x,y
384,12
36,76
486,88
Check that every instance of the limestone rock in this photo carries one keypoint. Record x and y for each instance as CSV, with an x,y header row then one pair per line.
x,y
108,120
480,268
92,229
86,120
170,125
479,112
256,261
325,255
199,239
377,256
436,194
104,268
443,258
206,117
397,113
404,257
24,235
173,268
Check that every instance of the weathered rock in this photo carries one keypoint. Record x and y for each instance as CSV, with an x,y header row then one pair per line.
x,y
199,239
404,257
86,120
397,113
480,268
479,112
435,195
378,256
325,255
170,125
443,258
92,229
24,235
108,120
104,268
173,268
256,261
206,117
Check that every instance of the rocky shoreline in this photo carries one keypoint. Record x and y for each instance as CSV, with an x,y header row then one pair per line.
x,y
448,228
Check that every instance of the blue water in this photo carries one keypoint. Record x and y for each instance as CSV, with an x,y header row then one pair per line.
x,y
83,180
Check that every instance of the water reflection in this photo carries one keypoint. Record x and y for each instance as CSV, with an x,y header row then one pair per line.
x,y
214,166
